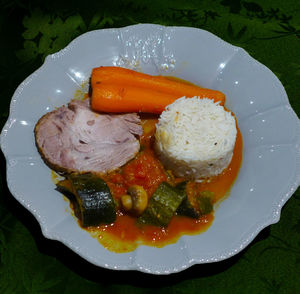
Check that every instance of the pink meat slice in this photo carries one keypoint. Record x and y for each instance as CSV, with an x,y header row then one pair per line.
x,y
76,139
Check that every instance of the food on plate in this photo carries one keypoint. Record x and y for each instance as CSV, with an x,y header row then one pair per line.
x,y
116,89
76,139
195,138
118,98
123,76
147,167
197,204
162,206
136,200
93,203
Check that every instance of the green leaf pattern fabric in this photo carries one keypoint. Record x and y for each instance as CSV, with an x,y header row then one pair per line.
x,y
267,30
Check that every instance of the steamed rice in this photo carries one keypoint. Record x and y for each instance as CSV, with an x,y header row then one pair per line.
x,y
195,137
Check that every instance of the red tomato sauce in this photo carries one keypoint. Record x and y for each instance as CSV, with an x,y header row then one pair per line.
x,y
145,169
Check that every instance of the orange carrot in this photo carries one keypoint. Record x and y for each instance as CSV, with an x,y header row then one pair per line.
x,y
126,77
108,97
116,98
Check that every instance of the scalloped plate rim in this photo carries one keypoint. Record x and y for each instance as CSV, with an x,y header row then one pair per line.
x,y
244,240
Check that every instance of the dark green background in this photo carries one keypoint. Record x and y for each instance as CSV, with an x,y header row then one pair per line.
x,y
29,263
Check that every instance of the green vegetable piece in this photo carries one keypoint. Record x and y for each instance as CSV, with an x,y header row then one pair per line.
x,y
162,206
186,208
181,186
64,187
95,203
205,202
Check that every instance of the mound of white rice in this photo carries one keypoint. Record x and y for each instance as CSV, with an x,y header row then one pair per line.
x,y
195,137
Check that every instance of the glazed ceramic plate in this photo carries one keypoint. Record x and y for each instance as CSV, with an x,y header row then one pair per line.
x,y
269,173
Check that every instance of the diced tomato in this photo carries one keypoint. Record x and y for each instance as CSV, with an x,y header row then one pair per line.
x,y
140,172
116,184
145,170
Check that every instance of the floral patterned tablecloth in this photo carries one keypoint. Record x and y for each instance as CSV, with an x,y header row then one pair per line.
x,y
269,30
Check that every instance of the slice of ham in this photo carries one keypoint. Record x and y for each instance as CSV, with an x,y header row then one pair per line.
x,y
76,139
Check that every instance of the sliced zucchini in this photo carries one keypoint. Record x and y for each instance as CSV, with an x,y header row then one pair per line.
x,y
162,206
205,202
181,186
65,187
202,203
186,208
94,204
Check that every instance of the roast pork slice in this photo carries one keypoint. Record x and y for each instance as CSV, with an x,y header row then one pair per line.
x,y
73,138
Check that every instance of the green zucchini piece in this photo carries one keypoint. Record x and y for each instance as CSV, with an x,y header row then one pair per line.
x,y
186,208
181,186
162,206
65,187
95,203
205,202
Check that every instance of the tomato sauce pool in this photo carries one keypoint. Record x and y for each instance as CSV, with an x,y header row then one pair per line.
x,y
124,234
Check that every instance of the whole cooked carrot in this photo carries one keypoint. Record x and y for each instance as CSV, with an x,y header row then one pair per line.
x,y
116,98
127,77
107,97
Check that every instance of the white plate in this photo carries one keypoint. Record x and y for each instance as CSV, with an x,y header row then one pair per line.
x,y
270,170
